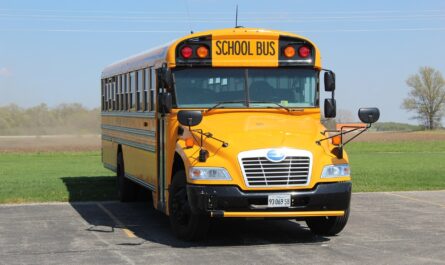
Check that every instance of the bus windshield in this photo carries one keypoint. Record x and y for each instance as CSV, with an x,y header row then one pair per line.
x,y
245,87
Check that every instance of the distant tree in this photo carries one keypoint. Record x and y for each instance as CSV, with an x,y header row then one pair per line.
x,y
426,97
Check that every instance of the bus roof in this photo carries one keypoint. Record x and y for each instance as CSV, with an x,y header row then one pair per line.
x,y
167,52
141,60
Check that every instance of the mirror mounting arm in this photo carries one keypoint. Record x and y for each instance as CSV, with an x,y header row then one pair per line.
x,y
203,154
210,135
340,133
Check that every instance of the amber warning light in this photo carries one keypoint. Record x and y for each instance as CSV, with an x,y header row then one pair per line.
x,y
202,52
289,51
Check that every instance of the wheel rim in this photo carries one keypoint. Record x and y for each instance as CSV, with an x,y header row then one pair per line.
x,y
180,206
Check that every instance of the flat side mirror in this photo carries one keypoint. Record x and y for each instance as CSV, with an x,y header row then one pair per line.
x,y
165,102
329,81
369,115
189,117
330,108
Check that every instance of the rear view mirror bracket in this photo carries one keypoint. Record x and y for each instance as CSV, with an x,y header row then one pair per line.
x,y
366,115
191,118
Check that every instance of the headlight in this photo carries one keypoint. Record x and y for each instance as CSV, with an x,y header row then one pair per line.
x,y
336,171
209,173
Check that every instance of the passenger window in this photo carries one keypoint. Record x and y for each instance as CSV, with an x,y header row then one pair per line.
x,y
114,93
132,90
146,89
140,87
108,95
118,93
103,94
124,91
127,96
153,90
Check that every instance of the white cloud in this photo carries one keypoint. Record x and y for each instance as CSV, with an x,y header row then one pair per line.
x,y
5,72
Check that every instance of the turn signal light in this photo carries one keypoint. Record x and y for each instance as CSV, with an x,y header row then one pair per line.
x,y
304,52
186,52
289,51
189,143
336,140
202,52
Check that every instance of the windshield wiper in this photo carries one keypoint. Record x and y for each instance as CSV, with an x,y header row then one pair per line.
x,y
224,102
271,102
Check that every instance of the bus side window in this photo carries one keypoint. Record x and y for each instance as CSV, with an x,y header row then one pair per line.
x,y
152,89
132,90
147,81
102,89
108,94
121,95
136,91
124,92
114,92
118,85
111,94
127,92
140,89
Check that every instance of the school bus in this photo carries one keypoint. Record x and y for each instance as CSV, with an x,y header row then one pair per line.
x,y
226,124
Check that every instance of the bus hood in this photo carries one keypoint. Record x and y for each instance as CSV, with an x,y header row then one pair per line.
x,y
260,130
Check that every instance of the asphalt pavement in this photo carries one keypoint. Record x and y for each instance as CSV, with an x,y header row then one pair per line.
x,y
384,228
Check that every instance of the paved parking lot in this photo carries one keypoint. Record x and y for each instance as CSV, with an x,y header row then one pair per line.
x,y
384,228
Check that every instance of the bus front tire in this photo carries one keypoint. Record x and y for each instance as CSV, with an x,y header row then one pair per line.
x,y
328,225
126,189
185,224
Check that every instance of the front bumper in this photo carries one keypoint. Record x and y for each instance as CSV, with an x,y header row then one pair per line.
x,y
326,199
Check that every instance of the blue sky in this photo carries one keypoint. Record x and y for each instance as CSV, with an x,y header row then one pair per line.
x,y
54,51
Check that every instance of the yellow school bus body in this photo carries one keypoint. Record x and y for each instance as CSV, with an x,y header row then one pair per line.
x,y
137,134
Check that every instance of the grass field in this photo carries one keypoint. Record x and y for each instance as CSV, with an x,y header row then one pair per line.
x,y
62,176
79,176
397,166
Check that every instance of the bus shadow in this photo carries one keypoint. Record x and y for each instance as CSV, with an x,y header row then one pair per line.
x,y
84,188
152,227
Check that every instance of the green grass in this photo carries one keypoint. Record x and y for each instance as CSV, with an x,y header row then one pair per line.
x,y
80,176
42,177
397,166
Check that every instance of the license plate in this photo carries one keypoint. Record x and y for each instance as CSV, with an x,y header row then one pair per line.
x,y
278,200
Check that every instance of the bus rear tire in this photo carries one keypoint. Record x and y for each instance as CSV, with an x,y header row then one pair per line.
x,y
328,225
185,224
126,189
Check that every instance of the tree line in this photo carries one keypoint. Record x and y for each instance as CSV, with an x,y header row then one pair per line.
x,y
43,120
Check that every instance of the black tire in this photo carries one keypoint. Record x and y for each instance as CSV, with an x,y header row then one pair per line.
x,y
126,189
328,225
185,224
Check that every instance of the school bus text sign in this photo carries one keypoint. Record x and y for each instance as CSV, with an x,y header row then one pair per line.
x,y
247,52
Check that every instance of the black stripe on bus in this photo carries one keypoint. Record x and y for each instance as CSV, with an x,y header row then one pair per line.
x,y
129,130
150,114
146,147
